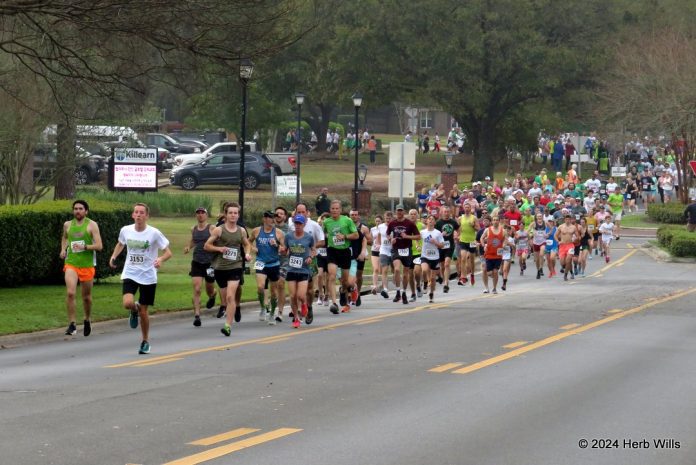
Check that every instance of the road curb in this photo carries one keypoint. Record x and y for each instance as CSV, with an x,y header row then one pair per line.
x,y
662,255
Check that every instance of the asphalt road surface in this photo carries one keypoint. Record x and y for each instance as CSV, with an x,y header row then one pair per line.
x,y
596,370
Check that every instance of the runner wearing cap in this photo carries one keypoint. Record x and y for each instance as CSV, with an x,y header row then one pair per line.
x,y
201,270
266,243
433,242
315,230
339,231
299,246
402,232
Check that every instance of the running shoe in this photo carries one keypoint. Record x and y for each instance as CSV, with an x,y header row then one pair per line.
x,y
144,348
404,298
384,294
262,314
197,320
542,272
221,311
445,289
345,309
295,323
565,276
486,291
342,297
538,274
354,294
279,318
590,255
572,275
397,297
521,272
494,291
358,302
333,308
618,237
413,297
472,279
226,330
238,314
326,301
596,252
431,297
310,316
86,328
133,319
439,280
373,290
211,301
320,301
72,330
503,287
606,258
419,292
304,310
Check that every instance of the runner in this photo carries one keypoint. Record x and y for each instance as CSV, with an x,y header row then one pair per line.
x,y
339,231
538,232
385,253
551,247
402,232
449,227
468,225
315,230
616,202
142,243
415,281
522,248
565,236
484,225
507,253
79,245
493,240
201,271
300,249
607,231
322,268
374,253
433,242
585,245
265,242
280,219
359,255
231,246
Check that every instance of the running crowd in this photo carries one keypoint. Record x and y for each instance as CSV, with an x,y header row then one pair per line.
x,y
553,224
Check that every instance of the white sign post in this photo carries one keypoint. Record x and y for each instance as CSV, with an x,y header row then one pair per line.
x,y
286,186
402,165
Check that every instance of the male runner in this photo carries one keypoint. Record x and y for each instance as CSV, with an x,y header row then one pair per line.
x,y
402,232
200,263
385,252
142,243
266,241
565,236
280,220
339,231
416,248
359,253
493,240
79,245
449,227
315,230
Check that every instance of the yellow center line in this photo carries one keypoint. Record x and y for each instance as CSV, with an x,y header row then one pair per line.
x,y
273,341
512,345
217,452
570,326
158,362
293,333
444,368
563,335
599,272
618,310
376,320
235,433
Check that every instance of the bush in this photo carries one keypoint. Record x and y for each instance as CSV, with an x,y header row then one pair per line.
x,y
160,203
671,213
677,240
30,238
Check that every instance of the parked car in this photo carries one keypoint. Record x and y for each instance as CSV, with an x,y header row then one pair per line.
x,y
168,143
192,158
192,141
88,167
223,168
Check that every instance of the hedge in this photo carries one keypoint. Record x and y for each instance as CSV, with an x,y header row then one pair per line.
x,y
30,238
671,213
160,203
677,240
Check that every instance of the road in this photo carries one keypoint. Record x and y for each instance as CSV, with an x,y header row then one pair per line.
x,y
518,378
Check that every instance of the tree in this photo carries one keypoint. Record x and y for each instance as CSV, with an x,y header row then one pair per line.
x,y
88,51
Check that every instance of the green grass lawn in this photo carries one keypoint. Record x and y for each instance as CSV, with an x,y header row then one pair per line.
x,y
639,220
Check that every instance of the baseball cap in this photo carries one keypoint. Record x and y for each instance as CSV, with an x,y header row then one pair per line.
x,y
201,209
299,219
268,214
488,178
400,206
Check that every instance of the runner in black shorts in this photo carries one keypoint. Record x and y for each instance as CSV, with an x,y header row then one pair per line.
x,y
201,269
402,232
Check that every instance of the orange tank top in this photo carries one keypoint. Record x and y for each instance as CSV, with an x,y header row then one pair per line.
x,y
494,242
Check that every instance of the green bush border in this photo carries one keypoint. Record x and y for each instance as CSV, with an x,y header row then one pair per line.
x,y
670,213
677,240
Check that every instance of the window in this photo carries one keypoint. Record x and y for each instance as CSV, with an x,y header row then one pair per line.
x,y
426,119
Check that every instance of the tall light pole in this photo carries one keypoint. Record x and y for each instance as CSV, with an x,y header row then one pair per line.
x,y
299,97
246,68
357,102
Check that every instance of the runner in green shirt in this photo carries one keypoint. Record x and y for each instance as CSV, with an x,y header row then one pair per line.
x,y
339,231
616,203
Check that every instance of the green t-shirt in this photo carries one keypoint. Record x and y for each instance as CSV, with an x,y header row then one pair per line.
x,y
78,239
573,193
417,245
615,202
342,225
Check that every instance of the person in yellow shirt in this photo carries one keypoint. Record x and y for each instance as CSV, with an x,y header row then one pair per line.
x,y
468,225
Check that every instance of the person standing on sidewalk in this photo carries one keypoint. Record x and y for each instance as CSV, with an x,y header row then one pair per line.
x,y
201,269
78,247
142,243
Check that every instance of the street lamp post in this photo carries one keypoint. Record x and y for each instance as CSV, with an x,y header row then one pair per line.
x,y
357,102
246,68
299,97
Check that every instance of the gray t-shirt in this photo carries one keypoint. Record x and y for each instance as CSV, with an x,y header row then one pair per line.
x,y
298,251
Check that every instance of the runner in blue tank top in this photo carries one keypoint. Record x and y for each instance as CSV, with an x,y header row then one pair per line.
x,y
266,242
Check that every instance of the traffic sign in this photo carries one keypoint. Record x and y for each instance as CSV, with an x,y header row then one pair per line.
x,y
692,164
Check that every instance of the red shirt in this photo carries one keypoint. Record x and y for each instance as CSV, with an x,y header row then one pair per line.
x,y
396,227
433,208
514,219
544,200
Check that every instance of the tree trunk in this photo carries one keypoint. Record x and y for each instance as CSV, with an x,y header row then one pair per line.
x,y
65,166
323,125
483,142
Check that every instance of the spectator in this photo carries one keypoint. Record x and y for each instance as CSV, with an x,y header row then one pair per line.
x,y
372,148
323,204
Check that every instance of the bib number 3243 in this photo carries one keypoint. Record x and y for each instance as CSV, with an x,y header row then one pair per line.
x,y
296,262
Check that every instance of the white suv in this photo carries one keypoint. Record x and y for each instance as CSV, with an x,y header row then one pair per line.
x,y
191,158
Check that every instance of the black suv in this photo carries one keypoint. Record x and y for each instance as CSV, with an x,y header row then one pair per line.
x,y
223,168
88,167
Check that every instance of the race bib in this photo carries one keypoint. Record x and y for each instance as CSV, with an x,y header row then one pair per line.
x,y
417,261
447,245
590,227
77,246
136,259
549,242
404,252
321,251
577,217
628,196
473,244
431,254
386,242
602,191
646,187
500,251
571,252
231,253
513,222
259,265
337,241
296,262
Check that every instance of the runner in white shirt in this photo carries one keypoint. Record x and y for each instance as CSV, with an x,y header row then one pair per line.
x,y
385,252
142,243
433,241
606,229
611,186
374,253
